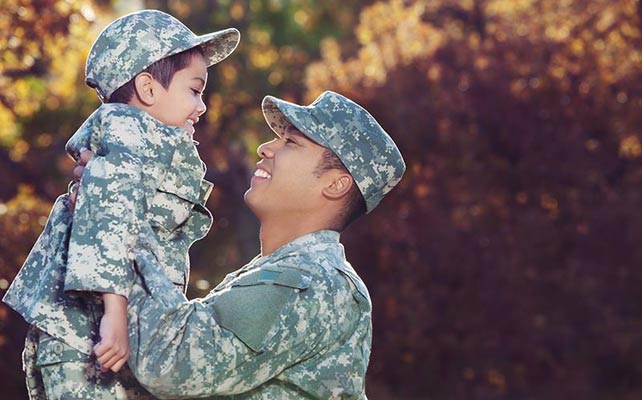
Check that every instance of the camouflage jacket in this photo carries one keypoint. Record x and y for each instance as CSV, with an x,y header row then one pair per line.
x,y
295,324
144,184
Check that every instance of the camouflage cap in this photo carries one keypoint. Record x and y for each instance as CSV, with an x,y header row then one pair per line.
x,y
135,41
346,128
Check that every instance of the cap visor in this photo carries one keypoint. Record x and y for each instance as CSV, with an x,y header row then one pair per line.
x,y
279,114
217,46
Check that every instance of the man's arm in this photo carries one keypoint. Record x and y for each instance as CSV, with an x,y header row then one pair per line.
x,y
179,347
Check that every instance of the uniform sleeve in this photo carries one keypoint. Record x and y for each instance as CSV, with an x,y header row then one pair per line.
x,y
180,349
105,225
111,207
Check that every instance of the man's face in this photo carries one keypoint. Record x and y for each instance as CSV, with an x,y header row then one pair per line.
x,y
181,103
284,184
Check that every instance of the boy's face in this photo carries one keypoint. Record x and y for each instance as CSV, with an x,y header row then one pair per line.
x,y
284,184
182,102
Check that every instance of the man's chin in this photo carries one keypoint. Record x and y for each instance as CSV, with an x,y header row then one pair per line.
x,y
250,199
247,197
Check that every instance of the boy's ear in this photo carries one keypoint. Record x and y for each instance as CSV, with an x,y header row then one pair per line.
x,y
339,184
144,84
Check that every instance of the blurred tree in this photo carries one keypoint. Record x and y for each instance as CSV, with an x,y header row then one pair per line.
x,y
43,45
506,265
20,219
511,270
42,49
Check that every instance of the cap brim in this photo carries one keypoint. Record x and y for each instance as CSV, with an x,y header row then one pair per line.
x,y
217,46
279,114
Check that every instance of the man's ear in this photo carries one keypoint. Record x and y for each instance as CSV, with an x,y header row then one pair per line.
x,y
339,184
145,91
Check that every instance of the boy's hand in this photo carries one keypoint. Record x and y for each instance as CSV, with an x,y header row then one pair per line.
x,y
112,351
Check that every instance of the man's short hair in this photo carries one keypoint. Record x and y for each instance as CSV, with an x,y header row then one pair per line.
x,y
162,70
355,205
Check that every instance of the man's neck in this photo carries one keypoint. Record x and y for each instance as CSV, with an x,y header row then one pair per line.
x,y
276,235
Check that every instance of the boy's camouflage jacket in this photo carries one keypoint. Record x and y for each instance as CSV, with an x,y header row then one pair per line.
x,y
143,187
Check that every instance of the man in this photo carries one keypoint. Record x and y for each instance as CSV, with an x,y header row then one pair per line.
x,y
295,322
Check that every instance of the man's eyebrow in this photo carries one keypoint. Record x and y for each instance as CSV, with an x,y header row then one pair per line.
x,y
292,130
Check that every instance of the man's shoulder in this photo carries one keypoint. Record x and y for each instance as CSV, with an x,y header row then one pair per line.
x,y
322,274
330,273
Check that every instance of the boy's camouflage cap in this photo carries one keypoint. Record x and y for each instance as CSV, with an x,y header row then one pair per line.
x,y
346,128
135,41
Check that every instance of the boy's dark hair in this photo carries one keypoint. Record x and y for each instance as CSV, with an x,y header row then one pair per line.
x,y
162,70
355,205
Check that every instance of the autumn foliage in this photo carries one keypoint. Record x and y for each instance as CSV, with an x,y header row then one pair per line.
x,y
505,266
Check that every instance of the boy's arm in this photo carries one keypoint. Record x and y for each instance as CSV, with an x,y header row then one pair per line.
x,y
109,217
113,348
105,227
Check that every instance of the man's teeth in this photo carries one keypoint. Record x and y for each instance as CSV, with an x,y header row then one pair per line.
x,y
261,173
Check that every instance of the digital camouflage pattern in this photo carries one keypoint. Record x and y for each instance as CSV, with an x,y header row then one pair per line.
x,y
143,181
346,128
62,372
135,41
144,185
295,324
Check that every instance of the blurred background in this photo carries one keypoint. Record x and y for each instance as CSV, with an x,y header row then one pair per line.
x,y
504,266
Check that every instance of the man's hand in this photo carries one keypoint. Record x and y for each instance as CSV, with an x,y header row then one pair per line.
x,y
85,156
113,350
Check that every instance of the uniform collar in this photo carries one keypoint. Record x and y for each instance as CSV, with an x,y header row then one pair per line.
x,y
325,242
135,112
302,243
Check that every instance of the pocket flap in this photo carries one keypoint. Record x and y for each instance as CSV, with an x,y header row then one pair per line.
x,y
52,350
288,277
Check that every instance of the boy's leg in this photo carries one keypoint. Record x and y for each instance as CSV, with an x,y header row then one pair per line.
x,y
69,374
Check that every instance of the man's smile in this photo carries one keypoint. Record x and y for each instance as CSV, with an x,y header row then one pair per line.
x,y
261,173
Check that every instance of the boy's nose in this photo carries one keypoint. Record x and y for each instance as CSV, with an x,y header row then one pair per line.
x,y
201,107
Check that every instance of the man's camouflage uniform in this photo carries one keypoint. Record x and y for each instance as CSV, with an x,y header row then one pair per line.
x,y
294,324
145,184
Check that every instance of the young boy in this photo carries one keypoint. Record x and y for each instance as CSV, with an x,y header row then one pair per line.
x,y
143,190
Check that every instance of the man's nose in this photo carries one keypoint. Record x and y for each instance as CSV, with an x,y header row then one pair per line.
x,y
266,149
